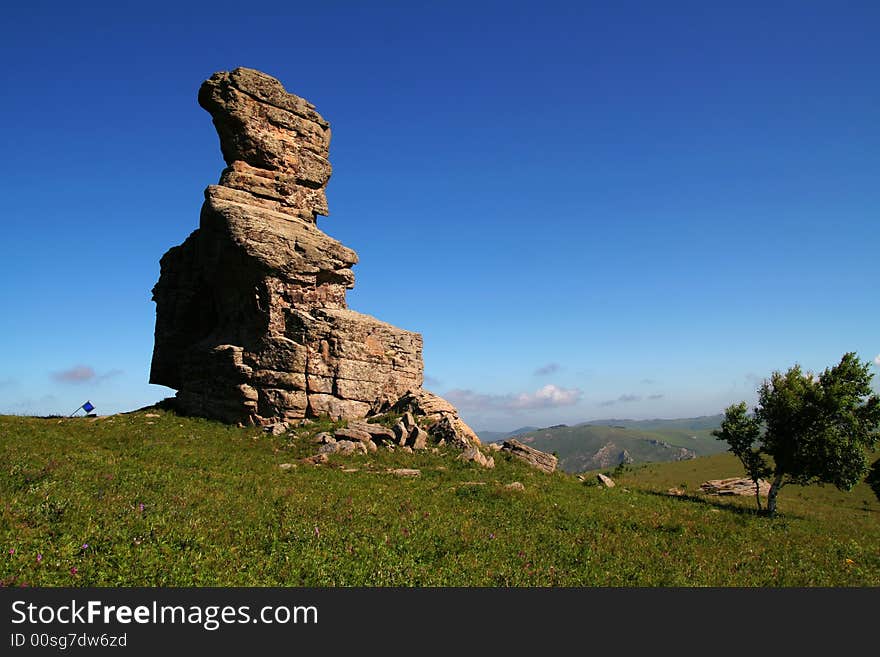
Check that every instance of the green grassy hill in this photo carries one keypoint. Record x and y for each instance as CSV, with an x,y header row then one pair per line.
x,y
607,443
135,500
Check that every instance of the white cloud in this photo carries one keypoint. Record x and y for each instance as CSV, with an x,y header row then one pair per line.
x,y
877,360
550,396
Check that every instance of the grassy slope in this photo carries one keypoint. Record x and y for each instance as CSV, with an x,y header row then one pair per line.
x,y
217,510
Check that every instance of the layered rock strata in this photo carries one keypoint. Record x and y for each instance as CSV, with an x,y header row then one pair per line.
x,y
251,318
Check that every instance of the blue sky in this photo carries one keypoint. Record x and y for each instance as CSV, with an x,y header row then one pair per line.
x,y
588,209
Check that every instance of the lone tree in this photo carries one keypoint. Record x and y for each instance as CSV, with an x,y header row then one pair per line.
x,y
807,429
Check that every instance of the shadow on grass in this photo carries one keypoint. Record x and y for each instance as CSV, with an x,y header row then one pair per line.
x,y
719,504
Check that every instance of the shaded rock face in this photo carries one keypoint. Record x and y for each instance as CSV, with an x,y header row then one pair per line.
x,y
251,317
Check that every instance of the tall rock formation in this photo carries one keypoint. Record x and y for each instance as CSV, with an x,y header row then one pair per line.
x,y
251,319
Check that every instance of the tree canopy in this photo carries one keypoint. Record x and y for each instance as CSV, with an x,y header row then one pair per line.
x,y
807,428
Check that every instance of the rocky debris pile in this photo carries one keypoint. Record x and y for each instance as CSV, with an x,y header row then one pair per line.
x,y
359,436
436,415
734,486
251,317
534,457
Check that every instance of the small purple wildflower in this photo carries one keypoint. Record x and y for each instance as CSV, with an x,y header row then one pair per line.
x,y
141,507
74,570
39,557
492,536
317,531
11,550
85,546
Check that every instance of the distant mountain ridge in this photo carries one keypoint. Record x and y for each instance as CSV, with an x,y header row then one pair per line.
x,y
497,436
599,444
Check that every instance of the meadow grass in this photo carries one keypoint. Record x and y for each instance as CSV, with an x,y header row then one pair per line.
x,y
134,500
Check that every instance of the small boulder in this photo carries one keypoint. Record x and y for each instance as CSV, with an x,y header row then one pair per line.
x,y
605,481
515,485
418,438
317,459
376,431
349,433
323,438
348,447
276,429
401,433
475,455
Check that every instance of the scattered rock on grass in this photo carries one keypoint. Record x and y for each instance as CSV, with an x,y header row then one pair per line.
x,y
475,455
534,457
350,433
406,472
605,481
276,429
734,486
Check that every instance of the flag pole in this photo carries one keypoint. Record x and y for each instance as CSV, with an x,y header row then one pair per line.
x,y
77,408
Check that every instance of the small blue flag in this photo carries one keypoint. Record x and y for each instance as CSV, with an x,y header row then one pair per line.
x,y
87,407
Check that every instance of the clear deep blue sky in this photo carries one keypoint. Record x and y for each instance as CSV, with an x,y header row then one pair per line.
x,y
588,209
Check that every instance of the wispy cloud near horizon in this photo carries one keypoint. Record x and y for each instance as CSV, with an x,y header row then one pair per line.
x,y
549,368
623,399
549,396
83,374
432,381
877,360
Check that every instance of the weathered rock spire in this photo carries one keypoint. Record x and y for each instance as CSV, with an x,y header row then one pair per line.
x,y
251,318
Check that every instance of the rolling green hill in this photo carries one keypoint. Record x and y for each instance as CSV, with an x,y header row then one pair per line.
x,y
154,499
607,443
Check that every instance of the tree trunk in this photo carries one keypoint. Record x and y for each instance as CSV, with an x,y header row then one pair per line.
x,y
774,491
758,494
